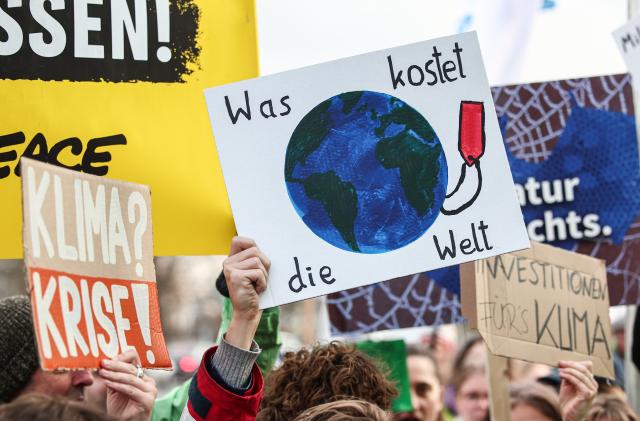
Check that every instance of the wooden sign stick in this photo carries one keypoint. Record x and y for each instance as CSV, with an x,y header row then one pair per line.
x,y
498,376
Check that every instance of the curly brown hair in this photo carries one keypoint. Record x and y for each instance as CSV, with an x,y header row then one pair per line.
x,y
323,374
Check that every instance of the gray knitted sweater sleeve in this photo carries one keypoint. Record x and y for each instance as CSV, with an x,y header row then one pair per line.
x,y
234,364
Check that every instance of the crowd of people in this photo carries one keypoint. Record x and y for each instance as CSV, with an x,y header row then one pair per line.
x,y
240,379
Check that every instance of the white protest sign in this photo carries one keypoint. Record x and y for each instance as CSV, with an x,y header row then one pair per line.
x,y
88,249
368,168
627,39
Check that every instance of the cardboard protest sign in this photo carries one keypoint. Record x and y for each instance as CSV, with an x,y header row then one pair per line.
x,y
115,88
89,254
367,168
542,305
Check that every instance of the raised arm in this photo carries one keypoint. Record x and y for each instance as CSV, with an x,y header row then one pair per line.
x,y
228,384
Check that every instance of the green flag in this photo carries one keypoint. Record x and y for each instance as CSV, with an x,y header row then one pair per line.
x,y
393,354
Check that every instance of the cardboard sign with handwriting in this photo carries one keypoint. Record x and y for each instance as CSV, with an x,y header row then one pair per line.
x,y
542,305
627,39
88,249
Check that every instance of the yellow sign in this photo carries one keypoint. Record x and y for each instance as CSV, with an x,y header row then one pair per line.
x,y
116,88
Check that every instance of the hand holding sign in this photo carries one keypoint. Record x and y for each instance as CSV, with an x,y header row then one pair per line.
x,y
128,395
246,271
577,390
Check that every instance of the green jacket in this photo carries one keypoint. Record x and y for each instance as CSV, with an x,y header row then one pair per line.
x,y
170,406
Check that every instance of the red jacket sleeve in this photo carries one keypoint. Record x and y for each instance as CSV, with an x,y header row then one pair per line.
x,y
209,400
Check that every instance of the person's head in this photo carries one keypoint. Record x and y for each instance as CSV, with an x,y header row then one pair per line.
x,y
427,392
472,393
323,374
41,407
344,410
608,388
69,384
609,407
532,401
19,364
473,352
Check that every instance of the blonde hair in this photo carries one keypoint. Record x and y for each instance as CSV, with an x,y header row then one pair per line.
x,y
610,407
543,398
344,410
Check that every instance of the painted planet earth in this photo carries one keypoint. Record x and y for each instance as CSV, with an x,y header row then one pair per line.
x,y
366,172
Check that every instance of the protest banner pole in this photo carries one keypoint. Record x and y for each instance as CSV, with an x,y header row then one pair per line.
x,y
630,370
310,321
631,373
323,326
632,8
498,377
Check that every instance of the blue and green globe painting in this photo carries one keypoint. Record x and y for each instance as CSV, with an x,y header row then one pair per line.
x,y
366,172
